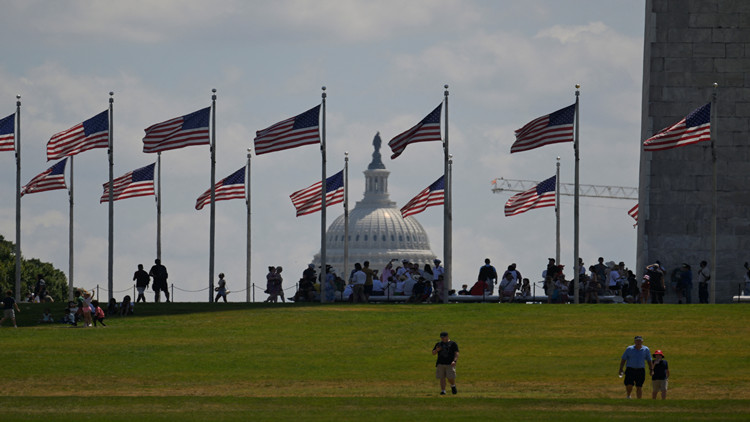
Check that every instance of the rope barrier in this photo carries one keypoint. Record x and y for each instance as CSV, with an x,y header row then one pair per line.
x,y
189,291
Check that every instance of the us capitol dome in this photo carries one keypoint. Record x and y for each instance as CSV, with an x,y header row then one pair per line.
x,y
377,232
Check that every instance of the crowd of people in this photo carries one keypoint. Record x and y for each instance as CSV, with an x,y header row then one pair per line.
x,y
406,280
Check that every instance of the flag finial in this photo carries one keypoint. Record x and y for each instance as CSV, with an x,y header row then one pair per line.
x,y
18,96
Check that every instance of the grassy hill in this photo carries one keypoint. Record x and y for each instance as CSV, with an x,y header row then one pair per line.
x,y
198,361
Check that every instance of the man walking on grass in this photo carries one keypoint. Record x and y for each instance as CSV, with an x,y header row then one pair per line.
x,y
447,355
636,357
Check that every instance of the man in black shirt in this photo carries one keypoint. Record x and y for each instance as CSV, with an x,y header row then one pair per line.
x,y
159,273
447,355
142,279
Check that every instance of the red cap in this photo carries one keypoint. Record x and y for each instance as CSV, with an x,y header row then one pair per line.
x,y
658,352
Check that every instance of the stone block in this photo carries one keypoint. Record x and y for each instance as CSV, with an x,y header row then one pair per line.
x,y
732,6
674,49
657,64
728,20
742,109
704,64
726,35
731,80
678,19
697,35
732,65
732,124
681,64
744,20
708,50
695,6
735,50
660,6
682,94
703,20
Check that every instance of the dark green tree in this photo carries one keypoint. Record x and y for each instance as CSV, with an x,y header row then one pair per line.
x,y
57,282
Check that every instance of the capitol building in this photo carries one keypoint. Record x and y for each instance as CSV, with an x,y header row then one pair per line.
x,y
377,232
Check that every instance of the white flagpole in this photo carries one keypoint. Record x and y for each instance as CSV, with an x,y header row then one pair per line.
x,y
323,200
18,198
70,233
577,270
345,270
714,202
447,210
557,214
212,229
111,248
158,205
248,259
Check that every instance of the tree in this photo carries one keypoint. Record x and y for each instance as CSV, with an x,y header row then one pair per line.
x,y
57,282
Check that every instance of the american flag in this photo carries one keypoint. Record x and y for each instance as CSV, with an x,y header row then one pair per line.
x,y
138,182
7,133
51,179
230,187
308,201
190,129
696,127
426,130
290,133
431,196
541,195
550,129
93,133
634,213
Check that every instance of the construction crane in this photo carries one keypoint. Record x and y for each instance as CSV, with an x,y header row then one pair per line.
x,y
502,184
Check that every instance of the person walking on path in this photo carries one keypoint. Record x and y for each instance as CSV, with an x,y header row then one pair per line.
x,y
221,289
142,279
704,275
660,375
159,274
445,367
636,357
9,304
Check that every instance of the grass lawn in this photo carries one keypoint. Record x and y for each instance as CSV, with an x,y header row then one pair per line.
x,y
198,361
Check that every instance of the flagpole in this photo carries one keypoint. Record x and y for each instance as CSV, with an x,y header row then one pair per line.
x,y
248,261
158,206
70,233
18,198
323,200
447,210
346,217
576,209
110,249
212,229
557,213
714,202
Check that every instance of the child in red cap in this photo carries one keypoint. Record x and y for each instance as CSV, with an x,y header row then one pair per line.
x,y
661,375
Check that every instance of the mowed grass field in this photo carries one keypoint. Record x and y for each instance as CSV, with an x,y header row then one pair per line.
x,y
200,361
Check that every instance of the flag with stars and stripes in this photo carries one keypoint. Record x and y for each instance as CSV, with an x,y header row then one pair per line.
x,y
308,200
634,213
541,195
92,133
184,131
429,197
230,187
425,131
290,133
695,127
51,179
8,133
550,129
138,182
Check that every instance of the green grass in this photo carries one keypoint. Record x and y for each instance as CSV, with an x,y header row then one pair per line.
x,y
233,361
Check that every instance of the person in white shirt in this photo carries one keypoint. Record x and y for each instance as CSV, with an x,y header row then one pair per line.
x,y
358,284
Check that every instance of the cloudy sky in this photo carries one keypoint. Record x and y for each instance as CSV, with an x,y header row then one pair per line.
x,y
384,65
